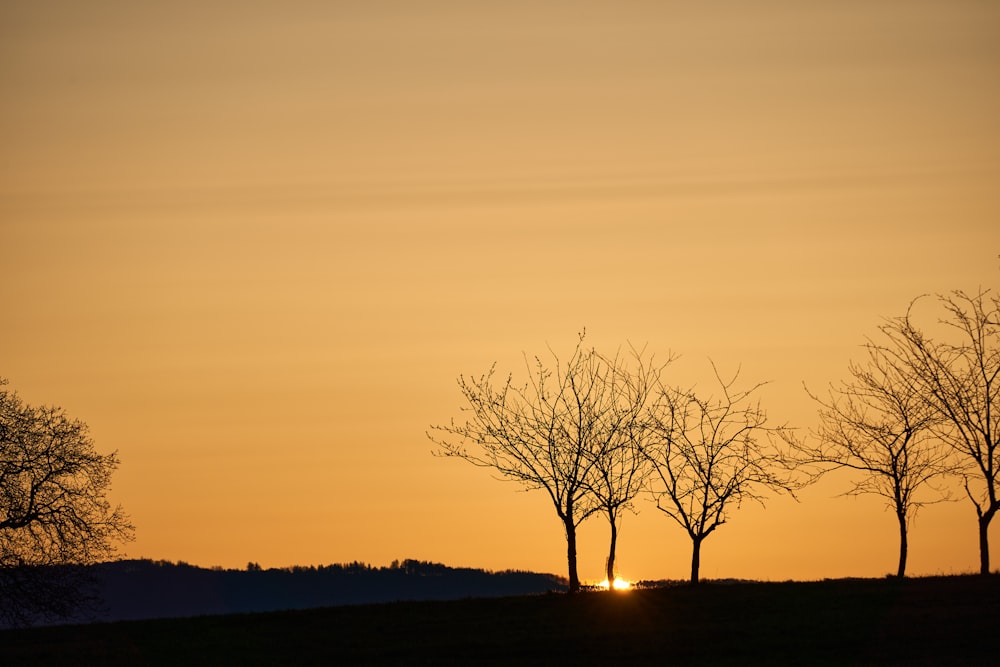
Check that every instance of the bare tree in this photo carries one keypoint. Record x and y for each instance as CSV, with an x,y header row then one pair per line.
x,y
619,469
710,455
550,433
878,424
959,375
54,512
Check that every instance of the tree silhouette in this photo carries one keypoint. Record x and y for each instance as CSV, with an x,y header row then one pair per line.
x,y
878,424
54,513
958,373
620,469
709,456
552,433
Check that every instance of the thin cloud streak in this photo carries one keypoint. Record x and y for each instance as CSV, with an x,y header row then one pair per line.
x,y
449,192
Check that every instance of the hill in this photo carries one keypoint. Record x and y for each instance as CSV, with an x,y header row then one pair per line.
x,y
928,621
145,589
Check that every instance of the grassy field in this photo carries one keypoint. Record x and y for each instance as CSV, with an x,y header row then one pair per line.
x,y
926,621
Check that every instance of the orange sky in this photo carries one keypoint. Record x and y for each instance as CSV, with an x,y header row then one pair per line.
x,y
253,246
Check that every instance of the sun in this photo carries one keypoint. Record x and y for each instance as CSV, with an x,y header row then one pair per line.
x,y
618,584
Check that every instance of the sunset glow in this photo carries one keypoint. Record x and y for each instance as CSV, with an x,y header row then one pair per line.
x,y
618,584
253,246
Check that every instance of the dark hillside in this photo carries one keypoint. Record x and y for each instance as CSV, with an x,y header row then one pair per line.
x,y
931,621
144,589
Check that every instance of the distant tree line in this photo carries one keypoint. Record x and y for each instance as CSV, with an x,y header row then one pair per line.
x,y
596,431
409,566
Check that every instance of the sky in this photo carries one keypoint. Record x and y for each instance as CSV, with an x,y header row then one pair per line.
x,y
253,245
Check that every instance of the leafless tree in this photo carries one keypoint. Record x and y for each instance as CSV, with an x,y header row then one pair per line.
x,y
958,373
879,425
551,433
620,470
710,455
54,512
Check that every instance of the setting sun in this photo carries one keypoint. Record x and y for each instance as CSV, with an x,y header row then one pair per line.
x,y
618,584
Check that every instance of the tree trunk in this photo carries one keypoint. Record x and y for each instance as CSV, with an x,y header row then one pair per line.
x,y
574,579
901,570
984,541
611,555
695,558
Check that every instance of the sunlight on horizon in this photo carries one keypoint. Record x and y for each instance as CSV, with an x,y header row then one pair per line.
x,y
618,584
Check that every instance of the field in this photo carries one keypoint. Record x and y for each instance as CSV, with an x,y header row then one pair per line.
x,y
925,621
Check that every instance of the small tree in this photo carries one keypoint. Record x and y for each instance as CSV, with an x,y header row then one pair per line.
x,y
959,376
709,456
879,425
551,433
620,470
54,513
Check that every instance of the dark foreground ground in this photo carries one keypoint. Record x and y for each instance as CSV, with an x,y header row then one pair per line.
x,y
927,621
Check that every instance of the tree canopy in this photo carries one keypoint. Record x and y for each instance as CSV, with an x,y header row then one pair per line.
x,y
54,509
